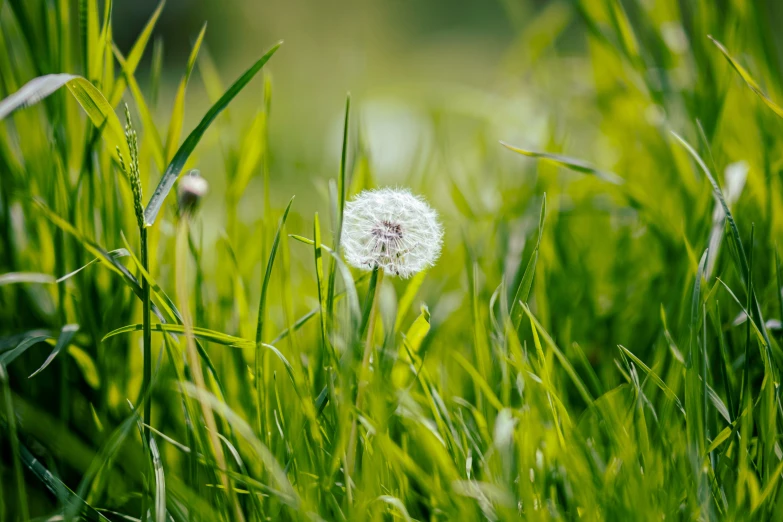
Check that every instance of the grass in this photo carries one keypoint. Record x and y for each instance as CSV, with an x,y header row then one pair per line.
x,y
599,341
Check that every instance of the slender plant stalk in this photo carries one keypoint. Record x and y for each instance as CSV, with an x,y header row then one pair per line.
x,y
364,372
14,438
132,170
146,333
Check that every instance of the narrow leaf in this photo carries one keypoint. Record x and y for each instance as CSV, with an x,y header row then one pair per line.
x,y
754,86
569,163
66,334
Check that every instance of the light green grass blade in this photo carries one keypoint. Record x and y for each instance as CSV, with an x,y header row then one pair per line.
x,y
178,111
268,275
745,75
569,163
90,98
655,378
160,483
136,53
200,333
151,136
526,283
33,91
25,277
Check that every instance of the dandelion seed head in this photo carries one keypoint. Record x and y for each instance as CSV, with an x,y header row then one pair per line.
x,y
392,229
192,188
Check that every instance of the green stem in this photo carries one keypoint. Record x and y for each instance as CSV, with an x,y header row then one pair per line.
x,y
147,342
364,372
147,334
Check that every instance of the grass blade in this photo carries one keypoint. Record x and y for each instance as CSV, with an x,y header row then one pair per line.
x,y
200,333
745,75
66,334
25,277
178,112
135,54
523,290
33,91
569,163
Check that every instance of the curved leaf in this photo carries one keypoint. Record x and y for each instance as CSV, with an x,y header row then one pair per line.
x,y
33,91
526,283
200,333
66,334
8,357
135,54
89,97
748,78
268,275
25,277
569,163
178,112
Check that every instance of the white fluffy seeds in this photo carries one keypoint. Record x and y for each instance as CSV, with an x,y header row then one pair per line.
x,y
192,187
391,229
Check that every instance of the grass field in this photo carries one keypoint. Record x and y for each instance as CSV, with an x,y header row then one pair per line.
x,y
600,339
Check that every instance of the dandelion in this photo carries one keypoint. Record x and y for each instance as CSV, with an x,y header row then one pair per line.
x,y
393,230
192,188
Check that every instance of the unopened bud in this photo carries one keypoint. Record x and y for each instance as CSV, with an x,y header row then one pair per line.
x,y
192,187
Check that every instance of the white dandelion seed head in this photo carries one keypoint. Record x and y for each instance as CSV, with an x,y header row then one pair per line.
x,y
392,229
192,187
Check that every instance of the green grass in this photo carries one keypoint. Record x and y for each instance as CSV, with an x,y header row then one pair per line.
x,y
599,341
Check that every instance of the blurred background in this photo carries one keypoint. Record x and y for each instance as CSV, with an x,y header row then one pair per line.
x,y
410,66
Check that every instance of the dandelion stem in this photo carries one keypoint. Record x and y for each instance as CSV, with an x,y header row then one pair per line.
x,y
364,371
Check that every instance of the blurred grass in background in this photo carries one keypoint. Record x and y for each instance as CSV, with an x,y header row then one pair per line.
x,y
596,365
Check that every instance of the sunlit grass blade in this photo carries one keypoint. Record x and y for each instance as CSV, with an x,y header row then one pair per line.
x,y
178,111
116,254
268,274
655,378
160,483
261,322
337,199
569,163
200,333
33,92
25,277
88,22
526,283
745,75
89,97
136,53
109,260
151,136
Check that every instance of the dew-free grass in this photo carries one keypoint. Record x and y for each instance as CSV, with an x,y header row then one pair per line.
x,y
599,340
